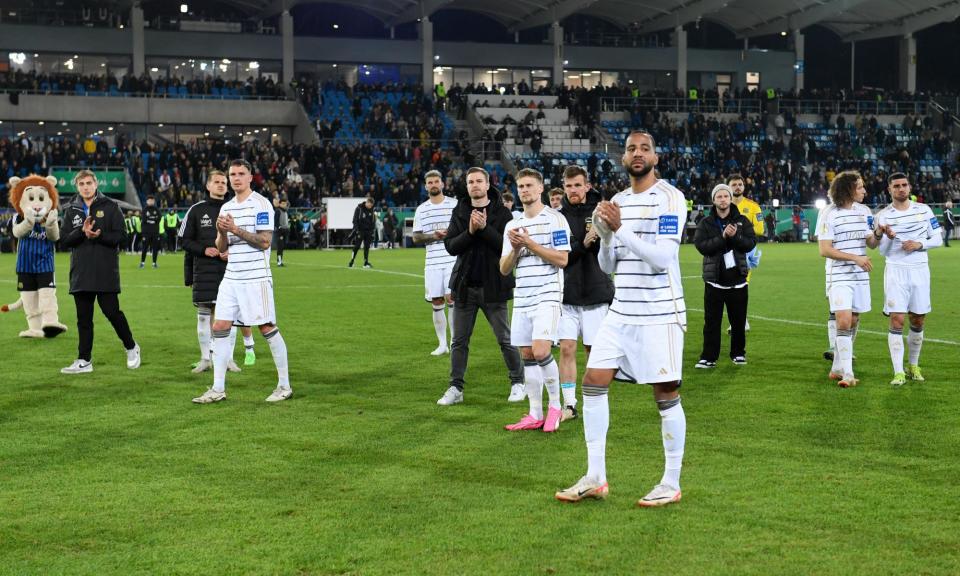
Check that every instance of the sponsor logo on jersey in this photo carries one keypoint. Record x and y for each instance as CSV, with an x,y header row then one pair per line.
x,y
206,221
560,238
263,218
668,224
934,223
870,221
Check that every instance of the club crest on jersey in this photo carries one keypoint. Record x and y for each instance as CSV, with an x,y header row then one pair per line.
x,y
668,224
99,213
934,223
263,218
560,238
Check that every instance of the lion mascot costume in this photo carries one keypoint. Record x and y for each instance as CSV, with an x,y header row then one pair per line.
x,y
36,201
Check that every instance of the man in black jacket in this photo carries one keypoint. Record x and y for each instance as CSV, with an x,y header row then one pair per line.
x,y
587,290
94,231
364,223
152,230
475,237
198,236
724,238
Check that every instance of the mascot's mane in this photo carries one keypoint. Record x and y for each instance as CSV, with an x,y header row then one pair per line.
x,y
18,186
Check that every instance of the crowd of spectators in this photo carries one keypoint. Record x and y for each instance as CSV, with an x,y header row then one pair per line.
x,y
144,85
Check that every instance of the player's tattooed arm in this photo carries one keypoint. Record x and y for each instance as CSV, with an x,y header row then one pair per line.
x,y
260,240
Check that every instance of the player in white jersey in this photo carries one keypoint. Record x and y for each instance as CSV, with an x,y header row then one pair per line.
x,y
909,229
245,296
537,245
844,231
430,227
641,338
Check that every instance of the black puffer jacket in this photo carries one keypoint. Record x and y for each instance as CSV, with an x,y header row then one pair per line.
x,y
94,262
199,232
584,283
487,243
711,243
364,221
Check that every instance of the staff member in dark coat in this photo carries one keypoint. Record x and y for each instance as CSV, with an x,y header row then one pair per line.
x,y
364,223
587,290
724,238
94,231
152,229
204,269
475,237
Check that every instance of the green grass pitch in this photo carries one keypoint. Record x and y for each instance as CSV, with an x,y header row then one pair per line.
x,y
116,472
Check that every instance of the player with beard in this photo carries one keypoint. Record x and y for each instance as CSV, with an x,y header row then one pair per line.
x,y
641,337
430,227
752,212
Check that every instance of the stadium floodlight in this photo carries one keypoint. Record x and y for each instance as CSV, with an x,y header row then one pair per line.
x,y
18,57
336,26
41,123
154,69
820,204
783,32
254,65
225,61
203,66
776,202
334,65
565,62
436,57
184,8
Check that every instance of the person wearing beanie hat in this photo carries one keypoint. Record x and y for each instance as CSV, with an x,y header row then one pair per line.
x,y
724,238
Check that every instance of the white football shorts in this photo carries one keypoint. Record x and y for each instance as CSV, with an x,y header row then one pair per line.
x,y
906,289
854,297
436,282
246,304
581,322
647,354
539,323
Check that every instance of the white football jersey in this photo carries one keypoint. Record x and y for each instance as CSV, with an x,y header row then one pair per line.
x,y
430,218
917,223
847,229
538,281
246,263
645,296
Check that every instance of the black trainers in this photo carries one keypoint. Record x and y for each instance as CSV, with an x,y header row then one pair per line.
x,y
739,360
705,364
367,265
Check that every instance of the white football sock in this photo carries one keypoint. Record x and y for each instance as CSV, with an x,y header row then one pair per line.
x,y
248,341
673,428
832,331
596,421
533,384
569,390
551,380
203,332
440,324
279,350
222,350
844,353
895,344
914,343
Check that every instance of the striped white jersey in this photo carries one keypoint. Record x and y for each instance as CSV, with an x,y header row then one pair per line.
x,y
244,262
429,218
645,295
848,229
538,281
916,223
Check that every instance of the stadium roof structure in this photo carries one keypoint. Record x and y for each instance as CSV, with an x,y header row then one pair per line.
x,y
852,20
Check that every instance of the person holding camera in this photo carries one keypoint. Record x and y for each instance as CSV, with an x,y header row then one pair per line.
x,y
724,238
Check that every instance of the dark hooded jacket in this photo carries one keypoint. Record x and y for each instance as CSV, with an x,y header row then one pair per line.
x,y
478,255
197,233
711,243
94,262
584,283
